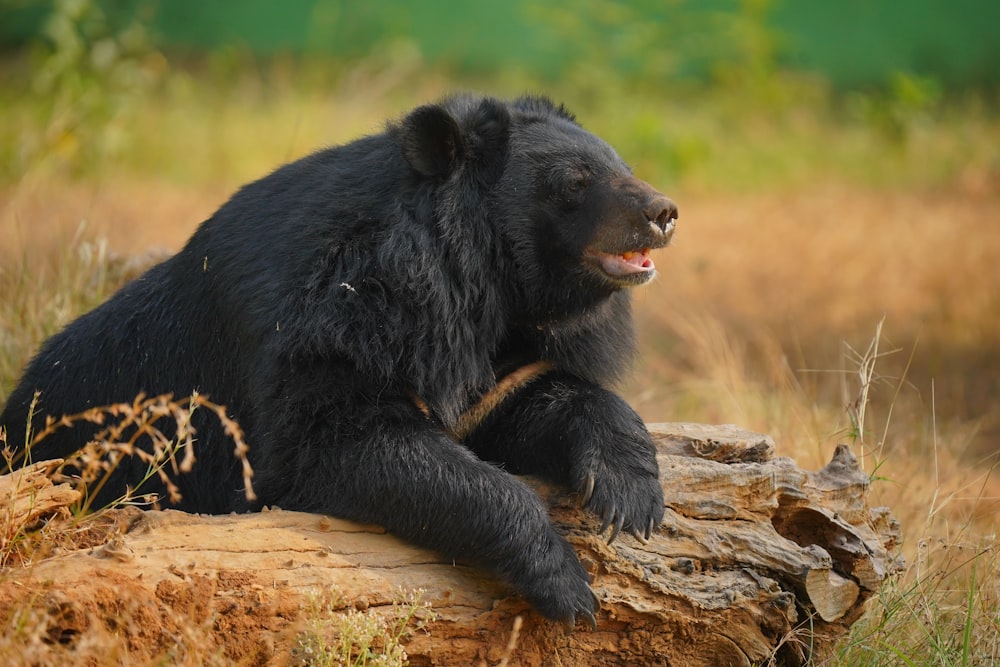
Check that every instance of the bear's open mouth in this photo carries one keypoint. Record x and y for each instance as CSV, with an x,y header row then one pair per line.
x,y
631,266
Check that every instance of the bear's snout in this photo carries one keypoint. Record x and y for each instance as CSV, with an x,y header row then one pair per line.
x,y
652,212
657,208
636,219
661,212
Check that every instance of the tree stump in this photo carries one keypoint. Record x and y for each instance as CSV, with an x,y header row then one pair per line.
x,y
756,560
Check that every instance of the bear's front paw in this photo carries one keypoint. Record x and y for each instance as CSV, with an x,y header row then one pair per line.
x,y
559,587
618,479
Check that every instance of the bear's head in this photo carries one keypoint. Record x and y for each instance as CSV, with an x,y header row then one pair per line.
x,y
573,224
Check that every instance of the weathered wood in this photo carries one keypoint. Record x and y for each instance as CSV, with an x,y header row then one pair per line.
x,y
28,495
753,551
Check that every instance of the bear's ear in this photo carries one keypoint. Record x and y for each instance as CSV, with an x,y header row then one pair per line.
x,y
491,129
431,140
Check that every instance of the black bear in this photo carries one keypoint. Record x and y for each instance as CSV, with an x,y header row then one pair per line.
x,y
400,325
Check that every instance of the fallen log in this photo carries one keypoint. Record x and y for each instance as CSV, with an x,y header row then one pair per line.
x,y
27,497
756,560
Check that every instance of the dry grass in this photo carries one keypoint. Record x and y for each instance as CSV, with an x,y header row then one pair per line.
x,y
163,420
943,608
764,309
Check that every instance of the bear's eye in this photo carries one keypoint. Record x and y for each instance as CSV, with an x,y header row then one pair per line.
x,y
577,180
573,182
568,185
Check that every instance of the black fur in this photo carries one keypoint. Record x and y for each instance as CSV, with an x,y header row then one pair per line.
x,y
351,306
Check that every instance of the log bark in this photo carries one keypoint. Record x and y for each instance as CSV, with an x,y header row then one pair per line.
x,y
756,560
27,496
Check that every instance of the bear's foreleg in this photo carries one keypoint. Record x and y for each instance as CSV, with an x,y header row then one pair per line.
x,y
392,466
579,434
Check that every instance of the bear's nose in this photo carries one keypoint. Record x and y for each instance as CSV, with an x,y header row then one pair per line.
x,y
661,211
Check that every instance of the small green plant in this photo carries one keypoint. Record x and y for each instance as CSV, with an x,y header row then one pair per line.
x,y
944,610
857,408
354,638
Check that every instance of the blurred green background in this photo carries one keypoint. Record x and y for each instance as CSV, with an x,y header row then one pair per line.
x,y
714,94
850,42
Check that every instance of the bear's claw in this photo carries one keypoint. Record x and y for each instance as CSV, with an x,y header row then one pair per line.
x,y
588,490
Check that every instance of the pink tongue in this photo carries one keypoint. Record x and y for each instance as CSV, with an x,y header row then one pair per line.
x,y
640,260
618,265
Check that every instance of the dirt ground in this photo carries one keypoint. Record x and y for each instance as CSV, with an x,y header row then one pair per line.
x,y
233,616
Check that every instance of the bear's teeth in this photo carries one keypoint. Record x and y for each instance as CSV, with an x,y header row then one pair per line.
x,y
629,254
636,257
